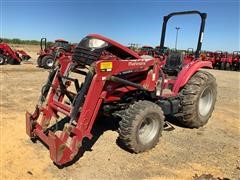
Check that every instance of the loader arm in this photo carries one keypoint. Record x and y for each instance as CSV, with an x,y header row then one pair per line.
x,y
64,143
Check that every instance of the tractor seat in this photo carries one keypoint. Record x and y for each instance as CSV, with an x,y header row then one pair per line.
x,y
173,64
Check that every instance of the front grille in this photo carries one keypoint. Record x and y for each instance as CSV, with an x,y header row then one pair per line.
x,y
85,56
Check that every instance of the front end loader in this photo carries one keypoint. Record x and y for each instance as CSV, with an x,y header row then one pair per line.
x,y
10,56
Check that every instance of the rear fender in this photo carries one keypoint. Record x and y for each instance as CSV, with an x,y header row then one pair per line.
x,y
43,55
188,71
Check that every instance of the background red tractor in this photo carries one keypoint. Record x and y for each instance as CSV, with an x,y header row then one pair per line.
x,y
218,59
226,61
48,54
140,92
10,56
146,50
189,55
235,60
210,56
165,52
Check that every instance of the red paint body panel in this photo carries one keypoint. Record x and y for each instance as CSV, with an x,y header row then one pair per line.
x,y
187,73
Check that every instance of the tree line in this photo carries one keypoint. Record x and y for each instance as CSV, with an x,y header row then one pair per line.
x,y
20,41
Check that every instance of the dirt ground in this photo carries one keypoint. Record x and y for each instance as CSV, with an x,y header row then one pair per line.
x,y
181,153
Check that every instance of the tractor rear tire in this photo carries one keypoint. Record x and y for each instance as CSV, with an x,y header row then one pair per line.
x,y
39,62
141,126
235,67
199,98
223,66
218,66
2,59
47,62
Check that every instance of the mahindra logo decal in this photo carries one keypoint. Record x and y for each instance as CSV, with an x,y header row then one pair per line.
x,y
137,63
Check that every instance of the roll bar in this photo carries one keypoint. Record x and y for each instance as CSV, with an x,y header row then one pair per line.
x,y
190,50
200,37
236,52
43,42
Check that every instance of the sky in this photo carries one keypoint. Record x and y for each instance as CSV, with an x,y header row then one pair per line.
x,y
125,21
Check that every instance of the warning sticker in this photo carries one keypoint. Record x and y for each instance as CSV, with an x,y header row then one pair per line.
x,y
106,66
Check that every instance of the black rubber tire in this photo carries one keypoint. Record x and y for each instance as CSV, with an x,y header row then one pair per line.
x,y
12,61
132,121
191,94
217,66
228,66
2,59
39,61
45,61
235,67
223,66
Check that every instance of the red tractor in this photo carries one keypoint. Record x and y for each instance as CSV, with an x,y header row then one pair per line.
x,y
236,60
189,56
164,53
230,61
10,56
210,56
47,55
141,92
146,50
218,59
226,61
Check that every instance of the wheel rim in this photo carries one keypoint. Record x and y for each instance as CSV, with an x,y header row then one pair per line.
x,y
1,60
148,129
205,101
49,62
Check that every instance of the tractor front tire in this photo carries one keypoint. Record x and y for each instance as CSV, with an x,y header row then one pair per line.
x,y
228,66
199,98
2,59
47,62
141,126
235,67
13,61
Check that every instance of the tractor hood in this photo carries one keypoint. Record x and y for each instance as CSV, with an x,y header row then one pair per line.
x,y
92,46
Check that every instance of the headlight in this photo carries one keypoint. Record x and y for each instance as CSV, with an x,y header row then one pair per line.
x,y
93,43
97,43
